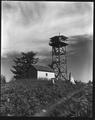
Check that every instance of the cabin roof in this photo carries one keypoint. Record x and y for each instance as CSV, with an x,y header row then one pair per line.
x,y
43,68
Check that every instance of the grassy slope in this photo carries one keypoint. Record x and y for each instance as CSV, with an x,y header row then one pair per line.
x,y
29,97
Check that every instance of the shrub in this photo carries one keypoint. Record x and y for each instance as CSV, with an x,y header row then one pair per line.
x,y
3,80
28,97
78,105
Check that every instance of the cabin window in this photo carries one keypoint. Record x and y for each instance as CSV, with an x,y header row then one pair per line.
x,y
46,74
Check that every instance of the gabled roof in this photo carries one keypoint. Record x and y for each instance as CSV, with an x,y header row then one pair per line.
x,y
43,68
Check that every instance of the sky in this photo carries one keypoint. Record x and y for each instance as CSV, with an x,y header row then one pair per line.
x,y
28,25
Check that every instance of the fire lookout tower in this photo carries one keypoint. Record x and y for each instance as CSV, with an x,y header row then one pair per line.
x,y
59,56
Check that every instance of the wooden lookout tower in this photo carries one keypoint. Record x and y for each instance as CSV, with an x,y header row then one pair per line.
x,y
59,56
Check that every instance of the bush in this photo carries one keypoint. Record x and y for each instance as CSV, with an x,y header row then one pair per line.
x,y
28,97
78,105
18,101
3,80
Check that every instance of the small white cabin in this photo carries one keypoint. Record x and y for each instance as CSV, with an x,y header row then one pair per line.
x,y
43,72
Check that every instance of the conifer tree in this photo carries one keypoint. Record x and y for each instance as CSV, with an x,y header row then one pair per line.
x,y
23,63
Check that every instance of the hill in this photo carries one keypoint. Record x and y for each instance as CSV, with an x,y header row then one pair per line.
x,y
28,98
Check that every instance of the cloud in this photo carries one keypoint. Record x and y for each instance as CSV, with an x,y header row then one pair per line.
x,y
26,23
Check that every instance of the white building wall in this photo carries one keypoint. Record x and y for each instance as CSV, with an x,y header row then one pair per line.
x,y
48,75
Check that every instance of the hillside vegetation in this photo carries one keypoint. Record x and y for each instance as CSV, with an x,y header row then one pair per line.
x,y
26,97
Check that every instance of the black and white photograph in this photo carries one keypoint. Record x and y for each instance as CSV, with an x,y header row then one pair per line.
x,y
47,59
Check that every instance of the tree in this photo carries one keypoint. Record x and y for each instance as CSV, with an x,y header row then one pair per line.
x,y
23,63
3,79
